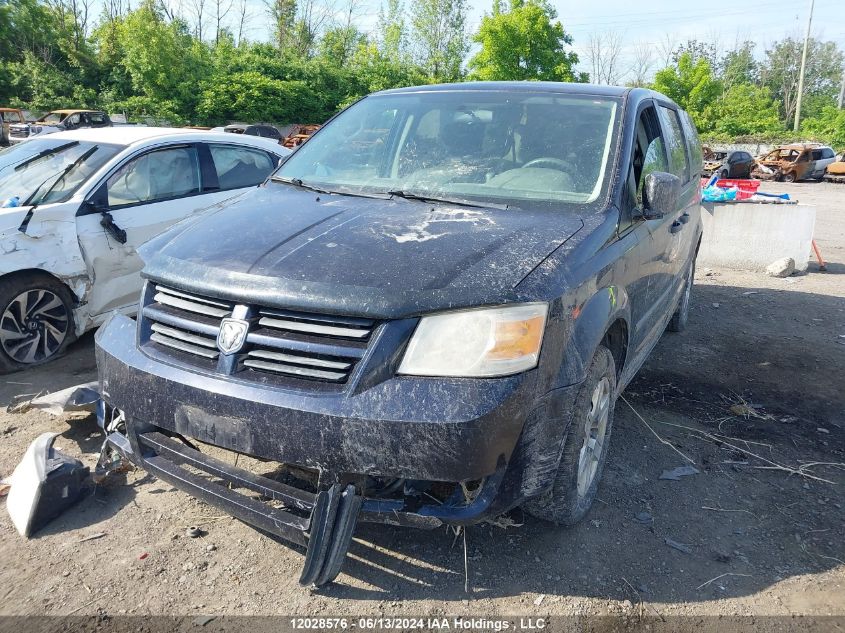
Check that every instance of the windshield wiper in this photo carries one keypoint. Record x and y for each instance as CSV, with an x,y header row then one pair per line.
x,y
25,222
407,195
297,182
44,153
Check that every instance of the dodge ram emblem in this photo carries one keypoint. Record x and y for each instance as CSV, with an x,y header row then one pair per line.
x,y
232,335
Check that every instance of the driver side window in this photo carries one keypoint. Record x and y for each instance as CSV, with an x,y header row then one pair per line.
x,y
648,156
158,175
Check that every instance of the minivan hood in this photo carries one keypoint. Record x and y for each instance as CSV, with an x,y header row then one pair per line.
x,y
287,247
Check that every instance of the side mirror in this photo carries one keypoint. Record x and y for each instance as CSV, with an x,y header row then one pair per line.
x,y
94,207
661,193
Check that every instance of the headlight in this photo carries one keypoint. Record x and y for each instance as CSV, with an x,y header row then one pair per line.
x,y
477,343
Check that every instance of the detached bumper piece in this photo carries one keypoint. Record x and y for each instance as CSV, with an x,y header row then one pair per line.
x,y
322,522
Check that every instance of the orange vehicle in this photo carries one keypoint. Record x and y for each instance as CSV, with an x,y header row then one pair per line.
x,y
836,171
790,163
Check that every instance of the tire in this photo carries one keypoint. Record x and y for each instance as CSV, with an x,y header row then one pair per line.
x,y
789,177
37,308
570,497
678,322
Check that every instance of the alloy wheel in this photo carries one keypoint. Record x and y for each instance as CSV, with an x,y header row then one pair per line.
x,y
33,326
595,429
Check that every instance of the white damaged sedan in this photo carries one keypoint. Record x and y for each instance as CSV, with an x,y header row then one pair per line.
x,y
75,206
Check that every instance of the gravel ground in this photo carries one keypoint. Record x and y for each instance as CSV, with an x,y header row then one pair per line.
x,y
753,385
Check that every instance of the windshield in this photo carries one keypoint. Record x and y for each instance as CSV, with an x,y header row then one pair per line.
x,y
32,167
54,118
509,147
11,116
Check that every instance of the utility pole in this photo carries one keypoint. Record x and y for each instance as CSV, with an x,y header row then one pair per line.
x,y
803,69
842,91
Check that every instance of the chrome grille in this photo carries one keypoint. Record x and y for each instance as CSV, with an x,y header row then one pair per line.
x,y
280,344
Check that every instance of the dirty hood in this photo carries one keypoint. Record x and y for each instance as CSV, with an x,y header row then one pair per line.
x,y
286,247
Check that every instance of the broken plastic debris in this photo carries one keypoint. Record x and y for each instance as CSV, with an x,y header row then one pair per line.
x,y
676,473
44,484
77,398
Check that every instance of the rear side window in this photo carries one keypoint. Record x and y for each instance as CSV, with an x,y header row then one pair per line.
x,y
676,149
270,132
97,118
827,153
158,175
693,143
238,167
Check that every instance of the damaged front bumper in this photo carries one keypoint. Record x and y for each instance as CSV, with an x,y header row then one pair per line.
x,y
414,429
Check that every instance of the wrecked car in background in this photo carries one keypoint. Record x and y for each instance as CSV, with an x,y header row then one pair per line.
x,y
7,117
260,129
835,172
58,121
736,164
791,163
422,325
74,206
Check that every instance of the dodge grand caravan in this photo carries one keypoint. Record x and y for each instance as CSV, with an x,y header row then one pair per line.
x,y
423,317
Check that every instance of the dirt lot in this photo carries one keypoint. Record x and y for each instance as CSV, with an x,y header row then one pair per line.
x,y
741,537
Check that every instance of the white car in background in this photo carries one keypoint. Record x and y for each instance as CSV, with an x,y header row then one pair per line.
x,y
75,206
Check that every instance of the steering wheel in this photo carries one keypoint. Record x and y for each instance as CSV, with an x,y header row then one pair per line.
x,y
548,161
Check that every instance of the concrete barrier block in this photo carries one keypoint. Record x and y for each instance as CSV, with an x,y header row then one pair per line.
x,y
750,236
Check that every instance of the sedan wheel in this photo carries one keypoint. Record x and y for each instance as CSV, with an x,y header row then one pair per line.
x,y
34,326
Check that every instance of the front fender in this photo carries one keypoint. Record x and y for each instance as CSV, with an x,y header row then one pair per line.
x,y
49,245
591,322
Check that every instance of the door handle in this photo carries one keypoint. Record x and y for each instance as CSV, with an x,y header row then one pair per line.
x,y
677,225
684,218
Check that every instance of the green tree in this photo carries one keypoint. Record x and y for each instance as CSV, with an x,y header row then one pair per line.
x,y
524,42
781,67
391,29
828,126
739,66
164,62
250,96
696,50
376,70
283,15
691,85
339,44
743,110
439,37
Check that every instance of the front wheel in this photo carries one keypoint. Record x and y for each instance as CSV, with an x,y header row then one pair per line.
x,y
36,320
790,177
585,447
